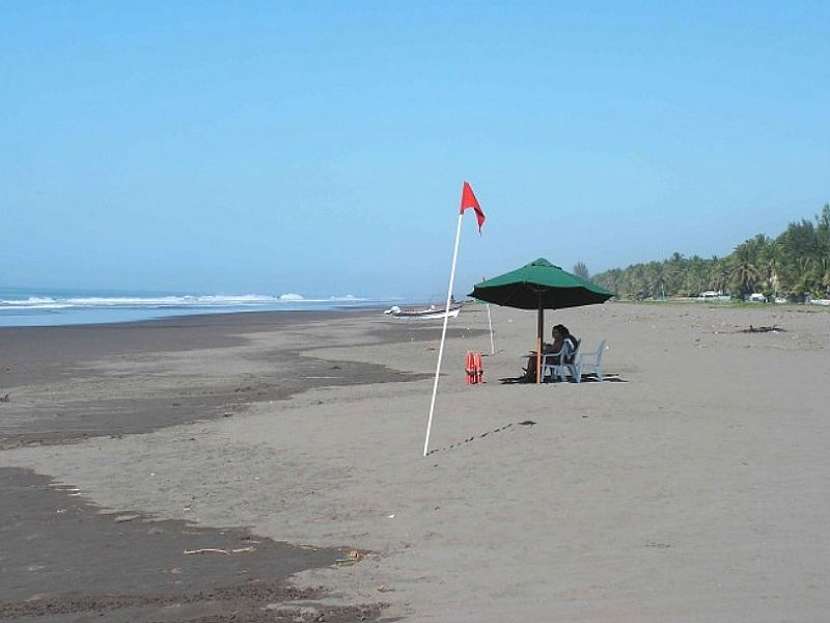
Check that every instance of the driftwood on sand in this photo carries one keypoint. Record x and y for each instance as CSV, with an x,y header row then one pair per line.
x,y
207,550
218,550
763,329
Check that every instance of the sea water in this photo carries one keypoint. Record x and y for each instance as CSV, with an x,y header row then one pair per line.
x,y
28,307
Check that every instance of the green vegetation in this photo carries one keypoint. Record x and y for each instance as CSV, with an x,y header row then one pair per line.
x,y
581,270
795,265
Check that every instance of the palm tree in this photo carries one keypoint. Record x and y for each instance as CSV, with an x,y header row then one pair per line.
x,y
694,278
656,279
769,265
744,273
804,279
673,272
824,274
718,274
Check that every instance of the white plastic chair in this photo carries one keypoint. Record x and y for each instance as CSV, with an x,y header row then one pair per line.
x,y
567,362
590,362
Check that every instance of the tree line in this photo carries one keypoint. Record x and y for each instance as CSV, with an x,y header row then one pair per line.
x,y
795,266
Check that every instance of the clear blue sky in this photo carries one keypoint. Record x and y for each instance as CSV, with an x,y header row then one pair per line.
x,y
320,147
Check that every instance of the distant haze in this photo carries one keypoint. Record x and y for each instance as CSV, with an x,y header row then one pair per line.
x,y
320,148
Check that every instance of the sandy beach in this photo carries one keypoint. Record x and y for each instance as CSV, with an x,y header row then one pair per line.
x,y
691,486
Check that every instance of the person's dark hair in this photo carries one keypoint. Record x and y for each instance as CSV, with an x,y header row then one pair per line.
x,y
562,329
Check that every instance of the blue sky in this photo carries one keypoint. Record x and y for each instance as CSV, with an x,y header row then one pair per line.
x,y
320,147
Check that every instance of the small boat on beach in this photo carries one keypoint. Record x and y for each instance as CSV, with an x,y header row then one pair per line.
x,y
424,313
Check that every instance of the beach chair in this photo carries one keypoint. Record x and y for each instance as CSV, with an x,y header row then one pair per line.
x,y
590,362
567,363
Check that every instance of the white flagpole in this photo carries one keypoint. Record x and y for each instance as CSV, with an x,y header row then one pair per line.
x,y
490,321
443,331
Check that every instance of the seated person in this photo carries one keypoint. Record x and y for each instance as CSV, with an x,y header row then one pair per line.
x,y
561,337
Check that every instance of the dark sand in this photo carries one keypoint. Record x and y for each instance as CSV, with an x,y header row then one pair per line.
x,y
73,393
64,559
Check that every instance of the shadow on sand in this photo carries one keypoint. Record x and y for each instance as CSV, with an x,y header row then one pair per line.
x,y
588,377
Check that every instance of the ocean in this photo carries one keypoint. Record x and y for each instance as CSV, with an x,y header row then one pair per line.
x,y
30,307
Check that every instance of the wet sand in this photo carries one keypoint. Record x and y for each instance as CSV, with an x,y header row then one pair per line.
x,y
64,558
72,383
693,488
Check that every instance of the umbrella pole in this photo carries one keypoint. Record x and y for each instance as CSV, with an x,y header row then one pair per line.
x,y
540,329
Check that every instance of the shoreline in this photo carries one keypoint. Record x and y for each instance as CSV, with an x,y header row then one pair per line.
x,y
334,312
74,382
124,313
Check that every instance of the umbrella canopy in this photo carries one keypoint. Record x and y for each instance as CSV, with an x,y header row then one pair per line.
x,y
540,285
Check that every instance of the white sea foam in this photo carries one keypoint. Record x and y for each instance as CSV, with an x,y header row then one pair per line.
x,y
164,302
32,300
32,308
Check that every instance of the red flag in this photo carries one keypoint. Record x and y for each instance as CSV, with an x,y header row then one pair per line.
x,y
468,200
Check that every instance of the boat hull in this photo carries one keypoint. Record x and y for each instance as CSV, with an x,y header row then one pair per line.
x,y
432,313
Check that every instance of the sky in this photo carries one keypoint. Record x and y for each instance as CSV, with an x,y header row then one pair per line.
x,y
320,147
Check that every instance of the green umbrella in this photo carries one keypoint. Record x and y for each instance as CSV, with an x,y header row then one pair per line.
x,y
540,285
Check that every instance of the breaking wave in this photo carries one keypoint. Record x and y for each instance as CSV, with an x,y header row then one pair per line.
x,y
168,302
